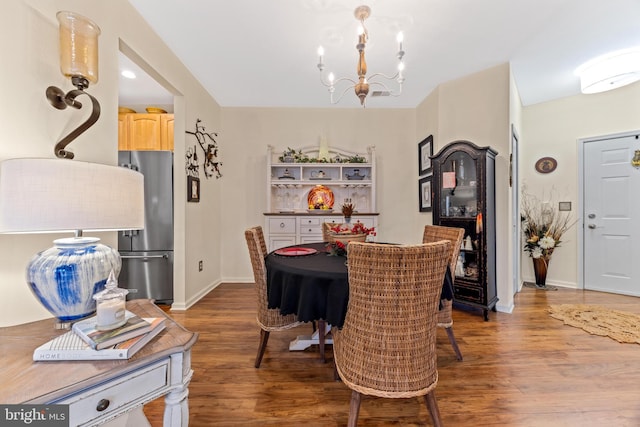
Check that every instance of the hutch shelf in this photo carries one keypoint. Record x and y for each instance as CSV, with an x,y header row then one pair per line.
x,y
344,177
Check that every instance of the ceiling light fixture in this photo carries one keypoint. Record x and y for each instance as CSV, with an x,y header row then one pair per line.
x,y
128,74
610,71
362,85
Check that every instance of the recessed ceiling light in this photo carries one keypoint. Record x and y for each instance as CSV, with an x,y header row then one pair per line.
x,y
610,71
128,74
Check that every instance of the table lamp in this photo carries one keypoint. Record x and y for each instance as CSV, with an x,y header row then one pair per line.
x,y
61,195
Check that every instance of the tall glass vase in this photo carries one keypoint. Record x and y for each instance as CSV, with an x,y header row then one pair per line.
x,y
540,266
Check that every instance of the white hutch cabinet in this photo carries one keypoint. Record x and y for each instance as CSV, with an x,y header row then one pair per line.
x,y
299,188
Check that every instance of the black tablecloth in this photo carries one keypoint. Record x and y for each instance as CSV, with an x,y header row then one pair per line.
x,y
315,286
304,285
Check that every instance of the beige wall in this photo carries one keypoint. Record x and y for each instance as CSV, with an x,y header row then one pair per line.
x,y
31,127
480,107
476,108
553,129
248,131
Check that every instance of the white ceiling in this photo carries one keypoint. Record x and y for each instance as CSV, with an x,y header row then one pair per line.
x,y
143,90
258,53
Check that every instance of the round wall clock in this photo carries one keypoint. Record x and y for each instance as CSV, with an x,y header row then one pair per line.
x,y
546,164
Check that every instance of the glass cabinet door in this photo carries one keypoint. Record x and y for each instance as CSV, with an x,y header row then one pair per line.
x,y
459,186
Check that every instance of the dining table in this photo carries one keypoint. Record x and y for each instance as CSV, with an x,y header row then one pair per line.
x,y
308,281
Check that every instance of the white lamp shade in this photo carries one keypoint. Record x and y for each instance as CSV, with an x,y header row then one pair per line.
x,y
610,71
56,195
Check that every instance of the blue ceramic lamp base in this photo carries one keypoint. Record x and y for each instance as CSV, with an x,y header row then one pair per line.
x,y
65,277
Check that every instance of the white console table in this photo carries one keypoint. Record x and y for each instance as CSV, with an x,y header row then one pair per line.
x,y
98,392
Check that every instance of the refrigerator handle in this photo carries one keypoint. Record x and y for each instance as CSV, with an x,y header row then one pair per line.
x,y
144,257
129,166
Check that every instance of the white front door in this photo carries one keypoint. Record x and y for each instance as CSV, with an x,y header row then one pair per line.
x,y
611,214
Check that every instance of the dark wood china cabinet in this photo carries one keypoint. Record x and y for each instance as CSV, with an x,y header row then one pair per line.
x,y
464,196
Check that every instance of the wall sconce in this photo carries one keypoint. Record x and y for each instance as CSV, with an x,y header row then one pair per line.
x,y
79,61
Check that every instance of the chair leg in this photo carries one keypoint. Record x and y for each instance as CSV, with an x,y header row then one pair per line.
x,y
432,405
354,409
322,328
264,337
454,344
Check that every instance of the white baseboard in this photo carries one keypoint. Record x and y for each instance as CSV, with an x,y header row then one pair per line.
x,y
563,284
197,297
505,308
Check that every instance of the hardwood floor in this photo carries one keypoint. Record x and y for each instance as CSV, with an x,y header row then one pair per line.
x,y
520,369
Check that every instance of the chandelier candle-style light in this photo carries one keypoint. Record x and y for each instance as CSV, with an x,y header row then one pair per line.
x,y
362,85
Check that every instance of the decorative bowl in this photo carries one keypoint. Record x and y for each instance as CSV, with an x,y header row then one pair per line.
x,y
348,237
155,110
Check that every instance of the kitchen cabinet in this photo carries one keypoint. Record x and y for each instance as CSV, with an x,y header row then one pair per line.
x,y
297,192
145,132
123,140
464,196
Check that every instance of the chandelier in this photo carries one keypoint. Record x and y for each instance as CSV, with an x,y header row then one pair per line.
x,y
362,85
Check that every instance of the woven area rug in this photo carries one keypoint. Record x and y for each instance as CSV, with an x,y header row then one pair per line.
x,y
621,326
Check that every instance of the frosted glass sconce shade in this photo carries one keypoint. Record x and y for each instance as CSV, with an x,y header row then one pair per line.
x,y
78,46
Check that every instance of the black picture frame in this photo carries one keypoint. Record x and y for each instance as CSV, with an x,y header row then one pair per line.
x,y
425,194
193,189
425,151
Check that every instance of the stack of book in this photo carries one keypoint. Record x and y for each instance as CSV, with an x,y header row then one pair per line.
x,y
85,342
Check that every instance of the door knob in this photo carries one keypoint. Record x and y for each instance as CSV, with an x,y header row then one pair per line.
x,y
591,216
591,226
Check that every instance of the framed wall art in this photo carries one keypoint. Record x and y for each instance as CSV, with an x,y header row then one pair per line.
x,y
193,189
425,150
546,165
424,194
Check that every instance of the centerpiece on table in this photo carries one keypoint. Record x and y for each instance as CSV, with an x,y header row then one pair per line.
x,y
543,226
342,234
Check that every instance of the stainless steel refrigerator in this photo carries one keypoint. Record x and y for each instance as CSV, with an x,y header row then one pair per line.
x,y
147,255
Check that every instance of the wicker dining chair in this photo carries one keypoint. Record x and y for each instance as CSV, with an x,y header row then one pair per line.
x,y
268,319
263,243
387,345
435,233
326,232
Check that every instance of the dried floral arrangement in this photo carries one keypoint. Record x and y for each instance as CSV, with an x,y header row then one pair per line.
x,y
347,210
542,223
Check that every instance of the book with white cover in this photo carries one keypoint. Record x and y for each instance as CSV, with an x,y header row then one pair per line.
x,y
69,346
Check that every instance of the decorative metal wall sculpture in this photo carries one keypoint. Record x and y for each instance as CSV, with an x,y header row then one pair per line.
x,y
209,145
